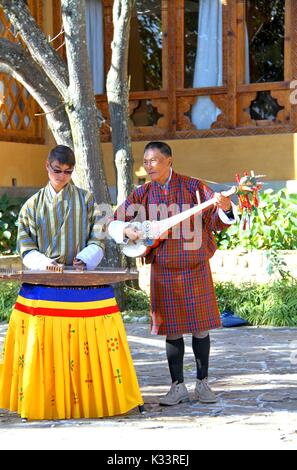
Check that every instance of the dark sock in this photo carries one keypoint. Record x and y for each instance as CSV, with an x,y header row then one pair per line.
x,y
175,349
201,349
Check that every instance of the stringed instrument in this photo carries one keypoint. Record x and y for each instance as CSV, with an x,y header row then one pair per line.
x,y
154,232
70,277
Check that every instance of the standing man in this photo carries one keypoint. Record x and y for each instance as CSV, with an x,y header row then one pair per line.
x,y
66,352
182,291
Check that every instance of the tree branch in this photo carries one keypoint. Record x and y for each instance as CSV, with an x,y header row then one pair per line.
x,y
42,52
17,62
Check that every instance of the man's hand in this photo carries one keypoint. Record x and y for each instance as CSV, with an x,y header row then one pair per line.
x,y
79,265
222,202
132,233
54,266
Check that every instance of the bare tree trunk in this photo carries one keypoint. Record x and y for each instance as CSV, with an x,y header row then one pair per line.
x,y
82,111
118,98
118,102
64,91
79,101
81,106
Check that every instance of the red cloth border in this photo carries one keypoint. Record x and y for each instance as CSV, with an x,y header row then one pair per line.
x,y
55,312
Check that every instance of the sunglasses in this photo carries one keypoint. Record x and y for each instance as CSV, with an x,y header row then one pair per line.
x,y
58,172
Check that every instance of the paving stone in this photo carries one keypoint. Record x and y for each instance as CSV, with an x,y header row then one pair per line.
x,y
251,373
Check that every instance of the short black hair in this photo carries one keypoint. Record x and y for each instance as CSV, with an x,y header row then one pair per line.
x,y
63,154
161,146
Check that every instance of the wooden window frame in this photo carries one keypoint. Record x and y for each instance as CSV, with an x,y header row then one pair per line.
x,y
234,96
35,133
174,101
164,99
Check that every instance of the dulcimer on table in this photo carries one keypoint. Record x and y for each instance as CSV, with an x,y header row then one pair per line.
x,y
70,277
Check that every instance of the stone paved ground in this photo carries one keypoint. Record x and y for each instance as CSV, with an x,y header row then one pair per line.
x,y
253,371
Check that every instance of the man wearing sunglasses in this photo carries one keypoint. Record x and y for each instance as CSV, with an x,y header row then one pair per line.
x,y
64,230
66,351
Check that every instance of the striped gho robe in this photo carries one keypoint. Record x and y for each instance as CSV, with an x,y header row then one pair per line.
x,y
59,226
66,351
182,291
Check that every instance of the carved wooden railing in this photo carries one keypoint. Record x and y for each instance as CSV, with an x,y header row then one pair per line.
x,y
18,120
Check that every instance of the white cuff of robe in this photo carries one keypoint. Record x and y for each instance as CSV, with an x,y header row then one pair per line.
x,y
91,255
116,230
224,218
36,260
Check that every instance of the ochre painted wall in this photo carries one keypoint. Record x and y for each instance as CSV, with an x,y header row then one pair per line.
x,y
215,159
25,162
218,159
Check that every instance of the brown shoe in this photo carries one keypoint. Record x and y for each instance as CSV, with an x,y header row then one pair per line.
x,y
203,392
178,393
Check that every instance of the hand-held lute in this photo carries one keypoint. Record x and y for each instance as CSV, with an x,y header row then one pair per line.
x,y
153,232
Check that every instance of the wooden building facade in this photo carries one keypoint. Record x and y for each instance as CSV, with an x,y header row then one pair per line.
x,y
213,78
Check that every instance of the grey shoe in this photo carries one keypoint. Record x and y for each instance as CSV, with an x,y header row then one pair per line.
x,y
178,393
203,392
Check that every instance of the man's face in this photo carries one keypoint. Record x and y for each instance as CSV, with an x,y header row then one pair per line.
x,y
59,174
157,165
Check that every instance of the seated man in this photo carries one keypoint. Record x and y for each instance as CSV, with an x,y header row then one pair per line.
x,y
66,353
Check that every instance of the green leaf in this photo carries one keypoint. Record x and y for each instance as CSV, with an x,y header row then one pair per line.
x,y
273,225
7,234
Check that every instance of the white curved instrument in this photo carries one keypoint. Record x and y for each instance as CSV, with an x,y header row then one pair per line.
x,y
153,231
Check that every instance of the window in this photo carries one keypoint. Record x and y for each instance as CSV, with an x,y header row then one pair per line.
x,y
18,120
265,23
265,65
200,68
95,43
145,59
145,48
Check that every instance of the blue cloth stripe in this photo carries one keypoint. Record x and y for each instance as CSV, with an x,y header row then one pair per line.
x,y
66,294
27,240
